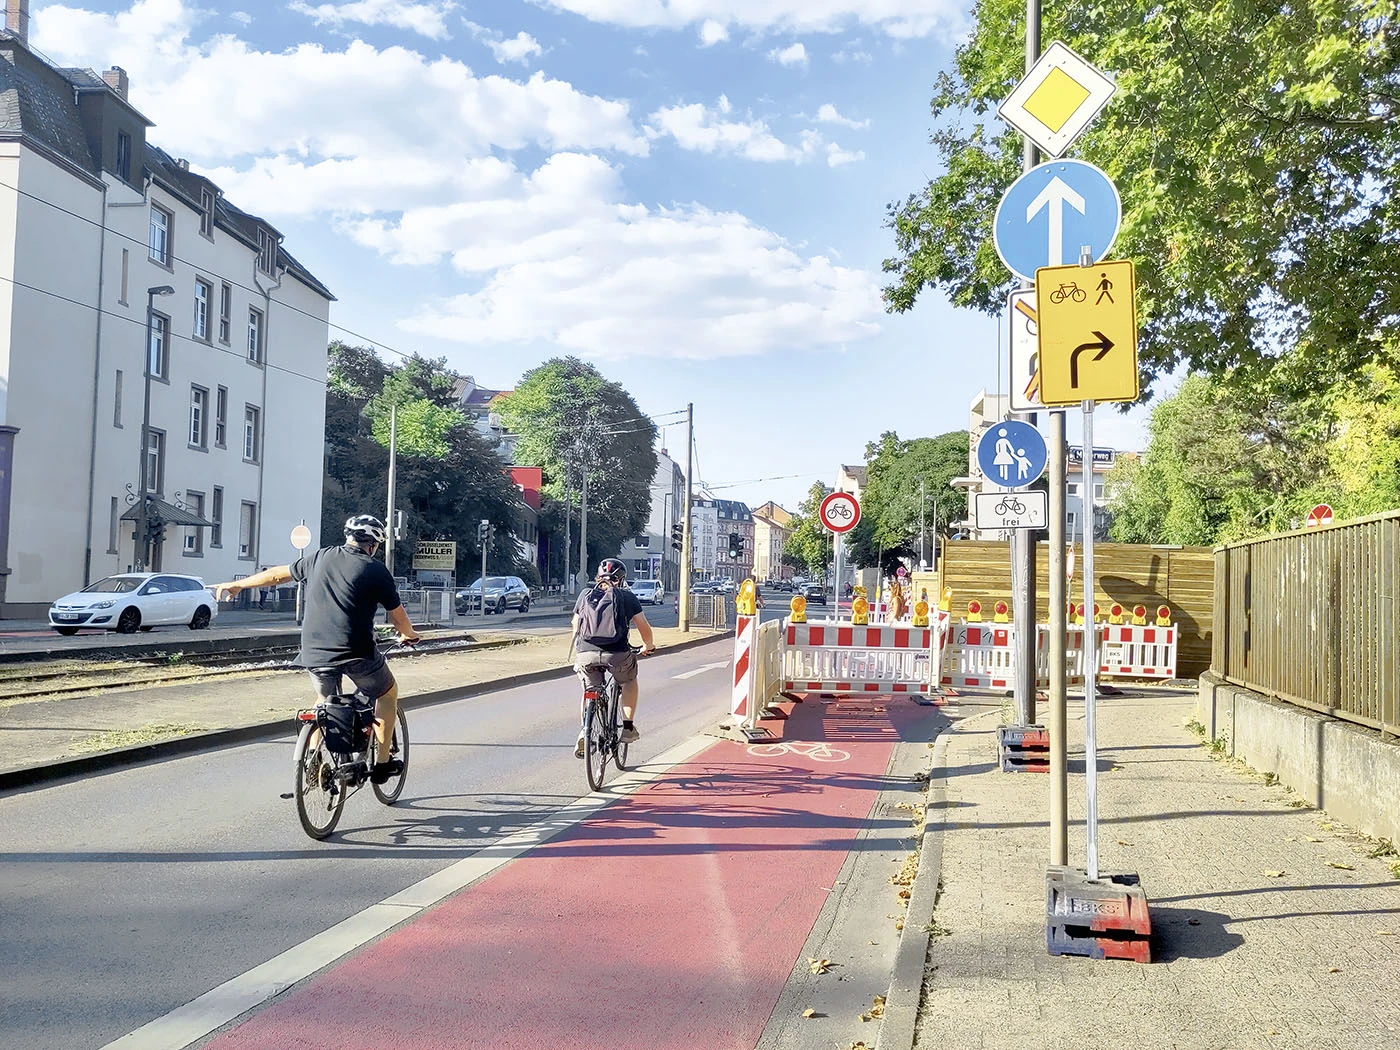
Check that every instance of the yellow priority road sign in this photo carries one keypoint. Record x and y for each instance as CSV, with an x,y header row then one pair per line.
x,y
1088,333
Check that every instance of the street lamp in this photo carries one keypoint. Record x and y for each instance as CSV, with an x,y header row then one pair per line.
x,y
923,502
142,545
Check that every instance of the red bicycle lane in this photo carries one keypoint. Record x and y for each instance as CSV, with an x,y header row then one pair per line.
x,y
671,919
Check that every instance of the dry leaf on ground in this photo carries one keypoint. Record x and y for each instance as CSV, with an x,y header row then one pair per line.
x,y
809,1012
1339,864
819,965
1275,874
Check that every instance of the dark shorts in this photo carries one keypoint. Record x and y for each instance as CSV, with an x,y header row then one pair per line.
x,y
371,677
589,667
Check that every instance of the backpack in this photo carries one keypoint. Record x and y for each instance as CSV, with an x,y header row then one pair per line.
x,y
598,619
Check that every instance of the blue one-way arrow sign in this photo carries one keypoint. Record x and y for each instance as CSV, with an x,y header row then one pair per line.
x,y
1052,211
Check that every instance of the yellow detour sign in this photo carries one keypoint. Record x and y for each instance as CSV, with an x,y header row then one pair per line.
x,y
745,602
798,605
1088,333
860,611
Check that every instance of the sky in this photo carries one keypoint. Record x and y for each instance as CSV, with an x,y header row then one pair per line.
x,y
690,194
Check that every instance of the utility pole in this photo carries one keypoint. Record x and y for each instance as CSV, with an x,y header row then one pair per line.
x,y
583,528
568,523
393,464
686,556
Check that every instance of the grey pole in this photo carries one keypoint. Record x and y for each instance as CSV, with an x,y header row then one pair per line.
x,y
141,547
1091,656
687,560
484,531
923,562
568,537
393,465
583,528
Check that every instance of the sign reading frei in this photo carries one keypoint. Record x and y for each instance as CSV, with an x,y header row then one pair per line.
x,y
1053,211
1011,454
435,554
1057,100
1088,333
1025,352
1012,510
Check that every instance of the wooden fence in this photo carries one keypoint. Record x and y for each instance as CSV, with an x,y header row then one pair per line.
x,y
1309,617
1129,574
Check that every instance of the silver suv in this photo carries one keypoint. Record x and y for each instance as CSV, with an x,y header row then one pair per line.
x,y
502,593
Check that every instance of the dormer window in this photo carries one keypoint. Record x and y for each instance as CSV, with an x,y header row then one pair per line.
x,y
123,156
267,251
206,212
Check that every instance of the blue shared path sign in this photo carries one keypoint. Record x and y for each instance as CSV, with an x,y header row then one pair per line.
x,y
1052,211
1011,454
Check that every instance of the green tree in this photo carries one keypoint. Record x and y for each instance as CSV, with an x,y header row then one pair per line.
x,y
808,545
908,486
572,421
1256,148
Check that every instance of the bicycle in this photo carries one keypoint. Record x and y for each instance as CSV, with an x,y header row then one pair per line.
x,y
819,751
338,764
1009,506
1068,291
602,730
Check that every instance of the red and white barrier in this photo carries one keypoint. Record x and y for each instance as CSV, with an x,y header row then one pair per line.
x,y
1137,650
1074,655
741,707
979,656
858,660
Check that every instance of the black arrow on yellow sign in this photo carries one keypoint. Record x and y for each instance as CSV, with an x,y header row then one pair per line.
x,y
1103,346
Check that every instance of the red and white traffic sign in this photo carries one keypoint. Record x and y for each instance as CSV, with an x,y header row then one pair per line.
x,y
839,512
1319,515
301,537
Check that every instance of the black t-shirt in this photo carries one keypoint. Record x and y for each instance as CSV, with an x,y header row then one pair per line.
x,y
623,604
344,589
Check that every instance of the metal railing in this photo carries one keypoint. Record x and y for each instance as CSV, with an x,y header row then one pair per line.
x,y
709,610
1310,617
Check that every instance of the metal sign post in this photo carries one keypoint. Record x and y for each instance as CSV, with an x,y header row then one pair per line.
x,y
1091,659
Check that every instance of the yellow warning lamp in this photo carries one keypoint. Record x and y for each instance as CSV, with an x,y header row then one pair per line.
x,y
921,613
798,605
860,611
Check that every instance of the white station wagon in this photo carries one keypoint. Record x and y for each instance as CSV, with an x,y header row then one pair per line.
x,y
135,601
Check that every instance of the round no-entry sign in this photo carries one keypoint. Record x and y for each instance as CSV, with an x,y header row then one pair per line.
x,y
839,512
301,537
1319,515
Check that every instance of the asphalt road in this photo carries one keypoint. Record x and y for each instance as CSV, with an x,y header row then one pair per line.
x,y
127,894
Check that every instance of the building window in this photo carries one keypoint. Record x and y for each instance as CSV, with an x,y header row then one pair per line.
x,y
221,418
117,402
158,360
255,335
643,541
126,268
1098,491
247,524
203,292
267,251
225,312
199,417
112,518
206,212
1072,489
216,518
155,462
250,433
194,534
159,243
123,156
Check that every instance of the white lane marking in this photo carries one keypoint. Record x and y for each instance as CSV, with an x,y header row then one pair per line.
x,y
217,1007
701,670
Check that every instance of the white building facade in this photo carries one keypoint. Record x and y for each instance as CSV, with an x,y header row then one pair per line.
x,y
651,555
704,526
92,220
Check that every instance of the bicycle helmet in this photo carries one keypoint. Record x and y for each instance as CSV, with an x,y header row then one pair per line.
x,y
612,570
366,528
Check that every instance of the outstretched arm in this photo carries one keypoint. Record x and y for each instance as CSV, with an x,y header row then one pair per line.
x,y
267,578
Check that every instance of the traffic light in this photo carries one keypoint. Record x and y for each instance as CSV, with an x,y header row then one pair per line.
x,y
734,546
678,535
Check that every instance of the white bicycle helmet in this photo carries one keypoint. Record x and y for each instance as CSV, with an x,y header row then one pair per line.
x,y
366,527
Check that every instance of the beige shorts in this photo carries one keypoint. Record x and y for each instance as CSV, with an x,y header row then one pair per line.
x,y
589,667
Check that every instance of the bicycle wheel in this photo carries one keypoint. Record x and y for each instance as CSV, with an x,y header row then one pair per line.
x,y
320,796
620,749
595,744
389,791
1080,295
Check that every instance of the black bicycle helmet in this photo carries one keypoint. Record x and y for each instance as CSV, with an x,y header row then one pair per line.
x,y
366,528
612,570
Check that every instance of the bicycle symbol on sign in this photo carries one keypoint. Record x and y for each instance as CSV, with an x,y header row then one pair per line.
x,y
821,752
1010,505
1068,291
840,510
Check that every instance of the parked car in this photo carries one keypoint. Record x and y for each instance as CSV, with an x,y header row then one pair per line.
x,y
135,601
648,591
703,587
815,593
502,593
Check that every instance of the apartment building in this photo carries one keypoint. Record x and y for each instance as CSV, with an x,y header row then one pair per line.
x,y
650,555
115,256
770,535
704,530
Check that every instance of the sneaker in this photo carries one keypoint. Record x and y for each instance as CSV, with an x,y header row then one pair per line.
x,y
578,747
383,772
629,736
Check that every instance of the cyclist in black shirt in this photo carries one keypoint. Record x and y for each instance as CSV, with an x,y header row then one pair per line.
x,y
345,588
603,617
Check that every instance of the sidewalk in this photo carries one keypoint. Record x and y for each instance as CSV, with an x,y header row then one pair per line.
x,y
50,730
1272,926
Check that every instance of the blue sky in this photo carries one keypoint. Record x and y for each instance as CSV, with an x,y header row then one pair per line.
x,y
689,193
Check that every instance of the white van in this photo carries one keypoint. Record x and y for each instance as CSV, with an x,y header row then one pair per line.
x,y
648,591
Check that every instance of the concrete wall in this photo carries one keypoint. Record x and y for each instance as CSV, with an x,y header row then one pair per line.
x,y
1342,768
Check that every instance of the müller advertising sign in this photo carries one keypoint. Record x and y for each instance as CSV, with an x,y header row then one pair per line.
x,y
435,554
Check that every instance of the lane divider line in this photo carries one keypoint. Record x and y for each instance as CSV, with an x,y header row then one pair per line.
x,y
699,670
217,1007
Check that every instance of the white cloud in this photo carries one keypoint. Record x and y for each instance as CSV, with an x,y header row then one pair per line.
x,y
519,48
697,127
564,259
836,156
427,18
901,19
852,52
243,18
712,32
827,114
796,55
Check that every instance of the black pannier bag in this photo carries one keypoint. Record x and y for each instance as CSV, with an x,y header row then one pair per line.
x,y
345,723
